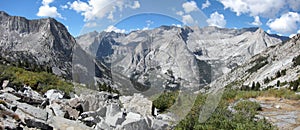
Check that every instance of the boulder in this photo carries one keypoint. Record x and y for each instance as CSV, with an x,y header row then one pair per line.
x,y
39,124
31,111
9,97
93,102
137,104
72,113
65,124
113,113
54,94
28,92
57,110
134,121
5,83
8,90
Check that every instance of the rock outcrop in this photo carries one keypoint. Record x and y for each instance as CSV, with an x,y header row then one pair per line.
x,y
95,110
174,57
42,44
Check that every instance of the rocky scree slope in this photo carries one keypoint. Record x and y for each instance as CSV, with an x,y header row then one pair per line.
x,y
87,109
269,64
42,44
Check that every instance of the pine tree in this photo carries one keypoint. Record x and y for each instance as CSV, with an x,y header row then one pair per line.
x,y
253,86
257,86
278,83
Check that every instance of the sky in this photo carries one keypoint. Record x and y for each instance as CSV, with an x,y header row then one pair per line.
x,y
280,17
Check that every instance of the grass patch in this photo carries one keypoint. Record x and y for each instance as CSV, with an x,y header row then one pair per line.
x,y
244,118
39,81
165,100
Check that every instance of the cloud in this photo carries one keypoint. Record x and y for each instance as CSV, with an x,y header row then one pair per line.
x,y
149,23
265,8
294,4
205,5
177,25
47,2
187,19
110,16
79,6
136,4
98,9
180,13
64,6
256,21
286,24
115,29
90,24
190,6
217,20
48,11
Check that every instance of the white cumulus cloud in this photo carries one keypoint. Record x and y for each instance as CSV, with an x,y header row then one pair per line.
x,y
180,13
206,4
265,8
256,21
90,24
47,2
188,19
136,4
190,6
217,20
79,6
48,11
115,29
286,24
98,9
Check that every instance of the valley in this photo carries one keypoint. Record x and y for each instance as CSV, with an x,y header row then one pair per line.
x,y
163,78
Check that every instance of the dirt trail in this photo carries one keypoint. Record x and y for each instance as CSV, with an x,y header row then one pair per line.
x,y
283,113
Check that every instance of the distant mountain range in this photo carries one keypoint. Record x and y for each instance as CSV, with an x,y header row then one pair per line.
x,y
168,56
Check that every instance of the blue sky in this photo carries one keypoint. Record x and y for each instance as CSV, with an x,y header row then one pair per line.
x,y
81,16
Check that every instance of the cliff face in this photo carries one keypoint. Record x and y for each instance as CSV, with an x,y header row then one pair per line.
x,y
187,56
36,44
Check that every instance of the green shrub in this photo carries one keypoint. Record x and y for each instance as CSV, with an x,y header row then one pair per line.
x,y
107,88
165,100
222,118
266,80
39,81
247,107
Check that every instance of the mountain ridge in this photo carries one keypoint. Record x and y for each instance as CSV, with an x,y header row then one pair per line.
x,y
45,41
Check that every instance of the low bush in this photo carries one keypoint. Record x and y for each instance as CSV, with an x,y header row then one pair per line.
x,y
222,118
165,100
39,81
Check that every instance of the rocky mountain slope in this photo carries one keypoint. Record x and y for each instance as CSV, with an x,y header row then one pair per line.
x,y
278,67
172,57
175,58
277,63
42,44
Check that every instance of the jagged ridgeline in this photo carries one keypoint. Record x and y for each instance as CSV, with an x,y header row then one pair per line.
x,y
247,63
172,57
38,45
45,44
